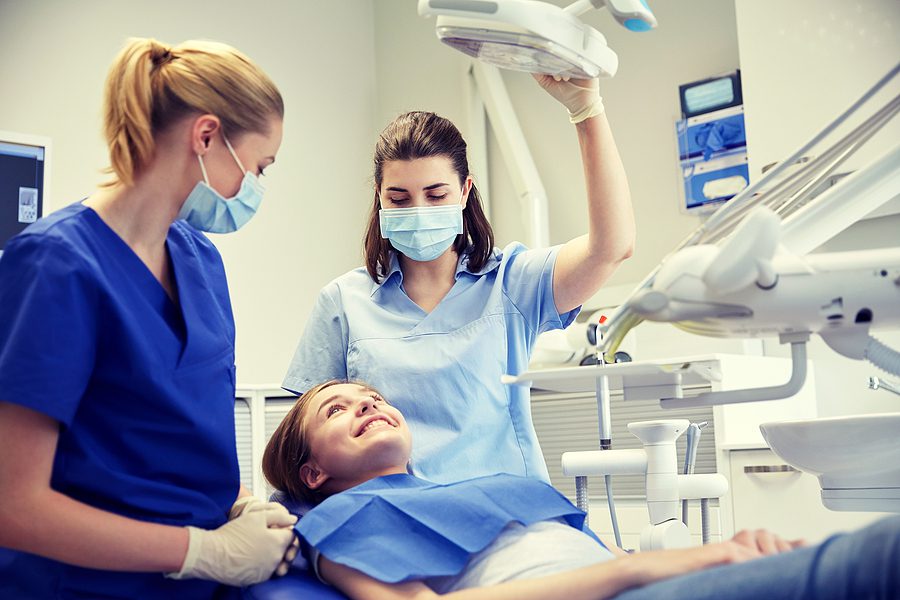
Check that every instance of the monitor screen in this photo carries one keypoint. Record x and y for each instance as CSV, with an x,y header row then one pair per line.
x,y
708,95
23,171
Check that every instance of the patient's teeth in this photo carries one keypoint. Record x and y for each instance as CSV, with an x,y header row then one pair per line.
x,y
375,423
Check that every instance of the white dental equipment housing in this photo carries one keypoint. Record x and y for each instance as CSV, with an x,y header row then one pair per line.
x,y
748,272
680,378
533,36
666,488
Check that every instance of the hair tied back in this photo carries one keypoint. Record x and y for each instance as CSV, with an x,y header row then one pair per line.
x,y
160,55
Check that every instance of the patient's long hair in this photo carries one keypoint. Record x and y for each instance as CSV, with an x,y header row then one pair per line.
x,y
288,449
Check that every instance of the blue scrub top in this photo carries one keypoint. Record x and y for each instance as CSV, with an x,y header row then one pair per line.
x,y
143,388
442,369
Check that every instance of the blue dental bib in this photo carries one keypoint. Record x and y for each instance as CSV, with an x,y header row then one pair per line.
x,y
401,528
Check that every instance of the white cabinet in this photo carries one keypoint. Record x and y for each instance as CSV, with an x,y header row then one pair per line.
x,y
765,494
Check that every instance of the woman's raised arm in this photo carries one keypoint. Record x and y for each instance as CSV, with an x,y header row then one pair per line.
x,y
586,262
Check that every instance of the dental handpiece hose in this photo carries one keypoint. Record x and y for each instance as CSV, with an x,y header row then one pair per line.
x,y
605,425
690,460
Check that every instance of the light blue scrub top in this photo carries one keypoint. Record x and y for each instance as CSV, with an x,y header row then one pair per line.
x,y
142,388
442,369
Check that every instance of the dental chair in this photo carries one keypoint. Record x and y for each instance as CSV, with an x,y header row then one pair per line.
x,y
299,583
296,585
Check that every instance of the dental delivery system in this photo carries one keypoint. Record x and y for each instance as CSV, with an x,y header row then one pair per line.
x,y
747,271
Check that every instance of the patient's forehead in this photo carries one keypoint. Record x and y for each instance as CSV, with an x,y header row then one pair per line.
x,y
338,391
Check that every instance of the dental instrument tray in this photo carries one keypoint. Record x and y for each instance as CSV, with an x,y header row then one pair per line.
x,y
646,380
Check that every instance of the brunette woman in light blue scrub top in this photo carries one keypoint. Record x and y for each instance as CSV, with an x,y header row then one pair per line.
x,y
118,463
439,314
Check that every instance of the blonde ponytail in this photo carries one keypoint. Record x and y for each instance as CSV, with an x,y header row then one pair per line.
x,y
151,85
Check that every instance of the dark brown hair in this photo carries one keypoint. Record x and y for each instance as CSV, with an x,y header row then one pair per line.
x,y
422,135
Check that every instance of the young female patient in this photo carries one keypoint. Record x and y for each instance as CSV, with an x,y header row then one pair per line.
x,y
379,532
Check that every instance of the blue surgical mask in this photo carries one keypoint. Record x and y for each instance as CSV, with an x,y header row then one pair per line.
x,y
422,233
207,210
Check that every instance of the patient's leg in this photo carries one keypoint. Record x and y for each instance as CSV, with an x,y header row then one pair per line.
x,y
860,565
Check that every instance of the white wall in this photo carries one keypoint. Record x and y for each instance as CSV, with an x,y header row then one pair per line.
x,y
54,59
413,70
803,62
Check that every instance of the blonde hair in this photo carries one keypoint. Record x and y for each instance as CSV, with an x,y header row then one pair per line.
x,y
151,85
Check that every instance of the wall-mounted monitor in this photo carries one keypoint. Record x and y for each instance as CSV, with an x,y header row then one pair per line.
x,y
711,94
712,145
24,173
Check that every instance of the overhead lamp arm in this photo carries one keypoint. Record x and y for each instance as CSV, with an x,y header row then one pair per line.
x,y
520,165
633,15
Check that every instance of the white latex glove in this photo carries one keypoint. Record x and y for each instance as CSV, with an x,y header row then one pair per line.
x,y
580,96
243,504
252,503
241,552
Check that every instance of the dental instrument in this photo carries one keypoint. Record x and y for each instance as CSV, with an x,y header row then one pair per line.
x,y
690,459
605,425
876,383
532,36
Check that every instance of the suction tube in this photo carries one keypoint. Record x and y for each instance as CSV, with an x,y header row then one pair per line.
x,y
603,413
704,521
610,501
886,359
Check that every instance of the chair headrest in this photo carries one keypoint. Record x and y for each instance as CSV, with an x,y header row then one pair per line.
x,y
299,508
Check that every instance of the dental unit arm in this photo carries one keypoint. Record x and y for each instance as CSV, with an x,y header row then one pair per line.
x,y
747,273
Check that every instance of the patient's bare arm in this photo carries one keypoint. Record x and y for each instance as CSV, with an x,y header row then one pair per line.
x,y
596,582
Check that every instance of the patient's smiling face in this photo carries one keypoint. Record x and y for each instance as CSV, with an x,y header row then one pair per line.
x,y
354,435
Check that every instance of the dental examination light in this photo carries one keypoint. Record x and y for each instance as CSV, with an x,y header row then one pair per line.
x,y
532,36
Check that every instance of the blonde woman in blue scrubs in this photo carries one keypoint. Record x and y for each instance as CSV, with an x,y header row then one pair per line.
x,y
118,467
439,314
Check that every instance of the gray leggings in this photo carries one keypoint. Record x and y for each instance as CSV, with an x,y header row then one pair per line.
x,y
856,566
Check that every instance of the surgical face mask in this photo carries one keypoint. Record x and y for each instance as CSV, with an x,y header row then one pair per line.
x,y
422,233
207,210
